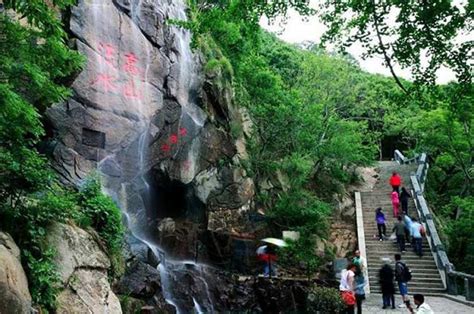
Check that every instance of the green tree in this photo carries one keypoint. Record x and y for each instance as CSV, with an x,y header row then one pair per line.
x,y
406,33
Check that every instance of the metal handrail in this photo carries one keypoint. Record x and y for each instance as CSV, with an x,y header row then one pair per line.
x,y
445,267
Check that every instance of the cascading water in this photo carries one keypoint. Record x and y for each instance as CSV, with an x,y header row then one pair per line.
x,y
128,61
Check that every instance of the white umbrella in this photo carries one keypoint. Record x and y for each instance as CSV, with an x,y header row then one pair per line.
x,y
275,241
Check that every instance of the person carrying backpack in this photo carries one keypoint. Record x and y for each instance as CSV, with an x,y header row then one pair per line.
x,y
402,275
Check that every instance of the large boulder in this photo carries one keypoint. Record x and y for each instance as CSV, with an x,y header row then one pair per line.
x,y
140,281
14,294
83,266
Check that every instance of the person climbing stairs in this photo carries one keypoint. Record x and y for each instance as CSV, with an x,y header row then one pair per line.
x,y
425,275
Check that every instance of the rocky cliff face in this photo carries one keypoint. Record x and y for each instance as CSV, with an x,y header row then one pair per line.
x,y
156,128
14,293
83,267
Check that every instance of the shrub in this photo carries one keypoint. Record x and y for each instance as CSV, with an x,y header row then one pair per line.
x,y
28,223
325,300
43,277
459,232
102,214
301,254
300,209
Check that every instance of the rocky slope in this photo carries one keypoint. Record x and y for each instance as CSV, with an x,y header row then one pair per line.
x,y
83,268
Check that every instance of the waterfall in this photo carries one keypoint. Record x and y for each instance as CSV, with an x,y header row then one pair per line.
x,y
119,75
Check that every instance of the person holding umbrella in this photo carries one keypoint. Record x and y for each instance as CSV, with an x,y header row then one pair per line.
x,y
267,254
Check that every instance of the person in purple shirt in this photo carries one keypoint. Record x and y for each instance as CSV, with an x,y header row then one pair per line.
x,y
380,219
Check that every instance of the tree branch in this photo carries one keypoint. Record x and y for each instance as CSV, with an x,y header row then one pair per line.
x,y
384,50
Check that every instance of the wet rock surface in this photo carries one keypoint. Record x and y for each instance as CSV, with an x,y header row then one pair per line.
x,y
140,281
145,116
212,290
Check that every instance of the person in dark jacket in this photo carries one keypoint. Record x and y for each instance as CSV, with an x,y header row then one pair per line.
x,y
404,196
386,283
399,230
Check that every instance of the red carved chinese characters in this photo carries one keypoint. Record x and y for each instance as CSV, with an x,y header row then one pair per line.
x,y
165,148
130,91
174,139
131,87
107,52
130,61
105,82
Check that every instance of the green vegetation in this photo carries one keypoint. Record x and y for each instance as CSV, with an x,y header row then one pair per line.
x,y
317,115
440,118
102,214
325,300
37,63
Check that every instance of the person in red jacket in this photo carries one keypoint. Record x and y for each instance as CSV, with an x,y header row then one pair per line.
x,y
395,182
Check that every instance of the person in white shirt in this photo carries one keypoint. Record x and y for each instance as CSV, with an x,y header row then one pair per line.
x,y
417,237
421,306
347,287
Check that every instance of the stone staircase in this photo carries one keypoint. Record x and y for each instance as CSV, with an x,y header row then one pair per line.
x,y
426,278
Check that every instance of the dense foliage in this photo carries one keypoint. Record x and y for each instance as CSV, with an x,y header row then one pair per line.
x,y
311,113
35,65
317,114
424,37
102,214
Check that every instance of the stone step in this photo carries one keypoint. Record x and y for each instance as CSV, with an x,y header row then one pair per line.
x,y
415,269
434,274
417,284
418,268
367,201
374,244
411,291
374,278
408,257
416,279
423,264
370,229
374,248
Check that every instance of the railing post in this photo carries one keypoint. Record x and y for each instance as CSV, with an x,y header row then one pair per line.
x,y
451,283
469,288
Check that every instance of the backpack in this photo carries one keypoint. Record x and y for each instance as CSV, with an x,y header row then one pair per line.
x,y
422,231
405,276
